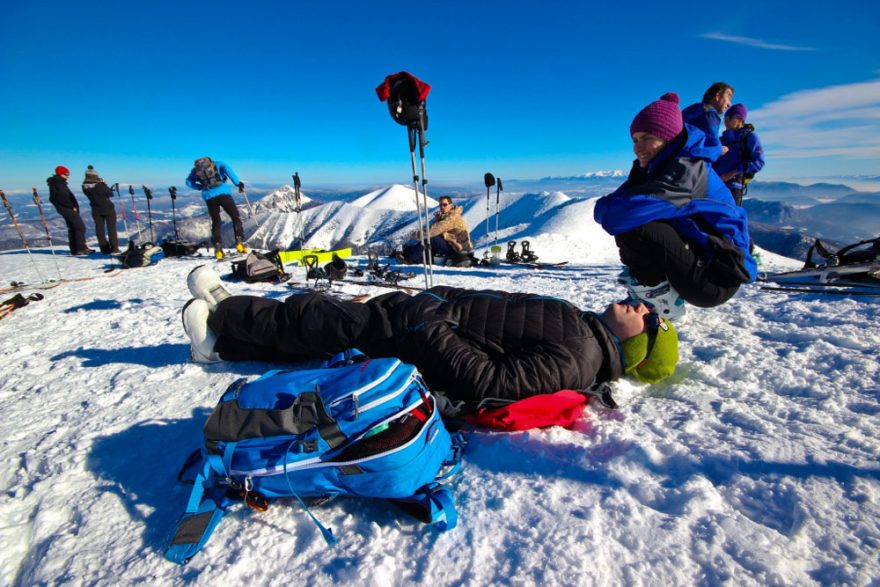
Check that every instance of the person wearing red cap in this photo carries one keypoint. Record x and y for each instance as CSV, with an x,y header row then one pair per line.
x,y
66,205
680,234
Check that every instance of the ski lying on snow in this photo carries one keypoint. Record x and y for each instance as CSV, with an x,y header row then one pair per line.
x,y
324,256
365,283
823,274
823,289
536,265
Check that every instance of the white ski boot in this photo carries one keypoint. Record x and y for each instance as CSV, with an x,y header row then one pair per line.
x,y
205,284
661,297
195,324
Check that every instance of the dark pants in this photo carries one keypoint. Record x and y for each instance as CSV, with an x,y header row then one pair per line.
x,y
225,202
76,229
106,219
737,194
412,250
655,252
308,326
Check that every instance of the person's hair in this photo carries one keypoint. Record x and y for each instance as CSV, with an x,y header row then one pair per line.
x,y
447,198
714,89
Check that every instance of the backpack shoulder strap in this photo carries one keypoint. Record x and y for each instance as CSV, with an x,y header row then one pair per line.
x,y
204,510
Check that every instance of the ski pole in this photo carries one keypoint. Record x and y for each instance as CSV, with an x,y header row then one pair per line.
x,y
39,204
424,231
20,235
242,191
297,184
134,209
173,192
497,203
149,194
121,210
489,180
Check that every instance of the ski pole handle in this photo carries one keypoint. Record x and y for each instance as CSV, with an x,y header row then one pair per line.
x,y
148,192
173,192
296,181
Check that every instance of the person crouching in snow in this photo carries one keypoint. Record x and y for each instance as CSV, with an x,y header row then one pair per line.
x,y
448,235
469,345
681,236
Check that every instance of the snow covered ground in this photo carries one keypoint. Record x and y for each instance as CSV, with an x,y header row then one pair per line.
x,y
756,464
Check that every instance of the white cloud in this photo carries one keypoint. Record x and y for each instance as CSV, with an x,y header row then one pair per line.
x,y
754,42
841,121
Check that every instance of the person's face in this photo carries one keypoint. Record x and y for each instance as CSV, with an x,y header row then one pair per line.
x,y
722,100
646,146
733,122
625,320
445,206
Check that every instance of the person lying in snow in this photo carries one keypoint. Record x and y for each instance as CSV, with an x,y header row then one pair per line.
x,y
680,234
455,337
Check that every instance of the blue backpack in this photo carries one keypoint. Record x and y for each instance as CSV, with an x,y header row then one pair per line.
x,y
357,427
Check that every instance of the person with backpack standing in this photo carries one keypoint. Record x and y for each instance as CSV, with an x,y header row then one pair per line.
x,y
745,155
66,205
680,234
103,211
209,177
706,116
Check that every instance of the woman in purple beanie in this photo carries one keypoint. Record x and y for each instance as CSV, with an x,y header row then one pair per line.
x,y
680,234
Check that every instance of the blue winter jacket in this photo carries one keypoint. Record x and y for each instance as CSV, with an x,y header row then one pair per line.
x,y
679,187
708,121
225,172
742,147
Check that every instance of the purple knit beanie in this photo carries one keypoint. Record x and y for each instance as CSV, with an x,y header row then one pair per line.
x,y
661,118
737,111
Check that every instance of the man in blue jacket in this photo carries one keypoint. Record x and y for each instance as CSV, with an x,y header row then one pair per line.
x,y
210,177
745,153
706,116
680,234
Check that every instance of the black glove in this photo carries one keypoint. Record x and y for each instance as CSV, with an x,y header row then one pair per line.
x,y
240,187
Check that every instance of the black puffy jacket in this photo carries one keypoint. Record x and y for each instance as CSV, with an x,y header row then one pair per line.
x,y
60,195
469,344
100,197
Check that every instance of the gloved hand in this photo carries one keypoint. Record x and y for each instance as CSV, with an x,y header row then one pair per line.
x,y
240,187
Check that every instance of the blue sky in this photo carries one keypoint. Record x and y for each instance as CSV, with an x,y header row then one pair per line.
x,y
524,90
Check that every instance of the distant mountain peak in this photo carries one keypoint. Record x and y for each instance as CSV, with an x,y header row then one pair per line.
x,y
612,173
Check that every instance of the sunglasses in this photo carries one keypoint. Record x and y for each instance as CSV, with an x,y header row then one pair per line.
x,y
652,327
445,204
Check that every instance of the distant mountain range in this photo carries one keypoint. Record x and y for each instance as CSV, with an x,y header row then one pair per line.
x,y
785,218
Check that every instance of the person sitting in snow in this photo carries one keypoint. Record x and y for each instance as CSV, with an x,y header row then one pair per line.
x,y
470,345
448,235
681,236
745,155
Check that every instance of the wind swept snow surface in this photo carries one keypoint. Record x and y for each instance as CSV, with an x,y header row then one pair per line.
x,y
756,464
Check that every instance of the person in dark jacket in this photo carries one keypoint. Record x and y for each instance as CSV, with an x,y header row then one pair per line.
x,y
745,155
471,345
210,177
103,211
706,116
66,205
680,234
